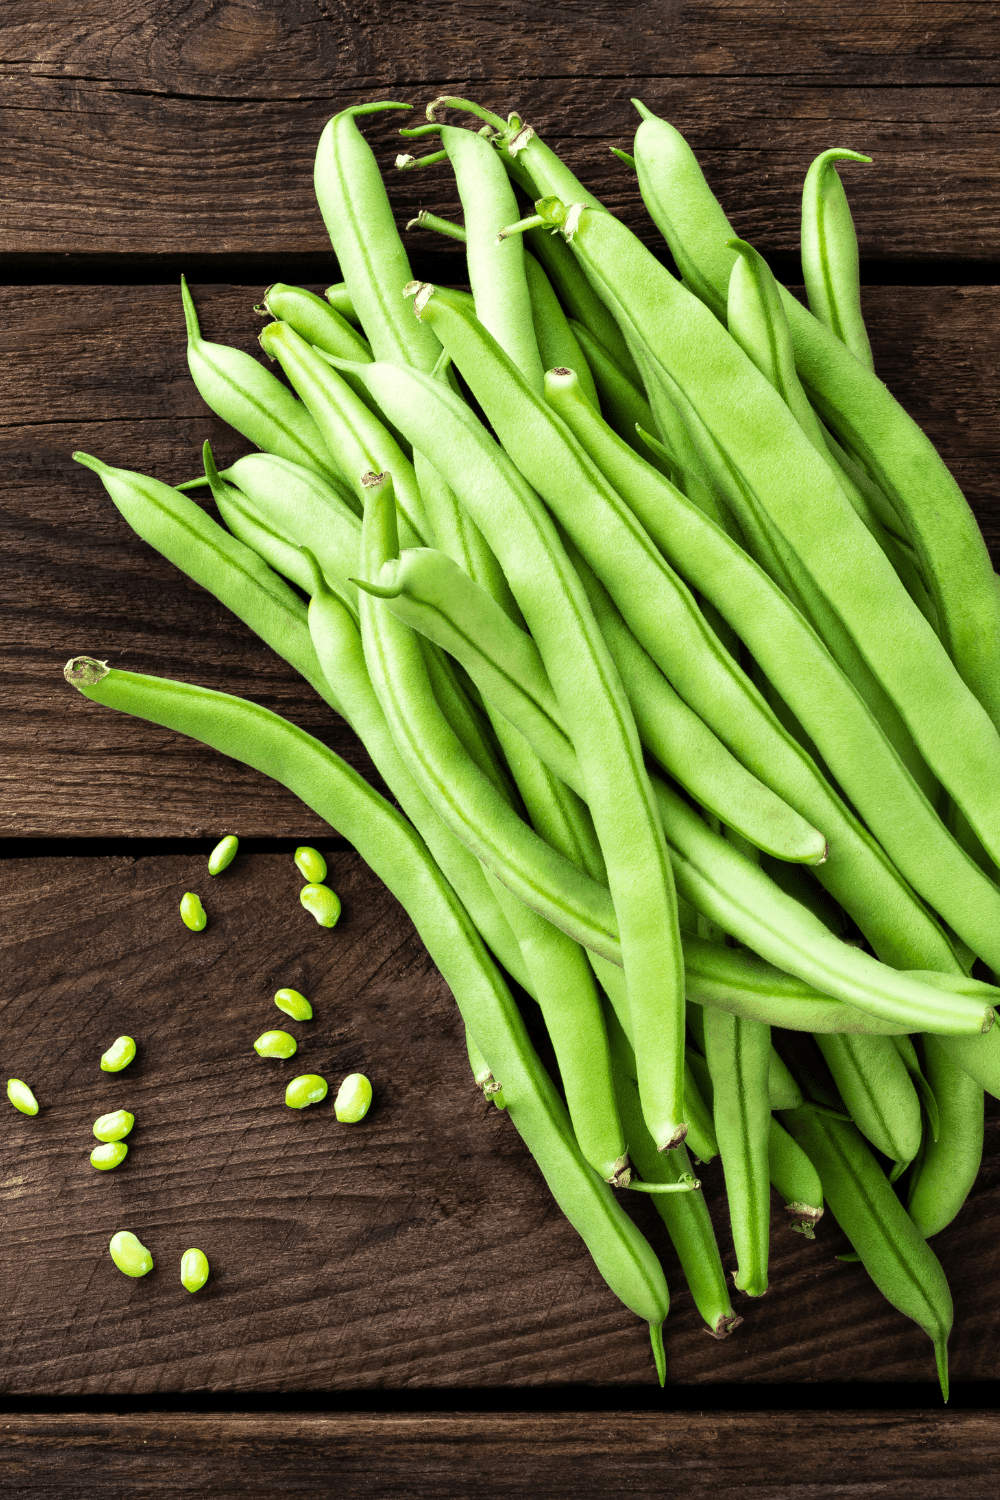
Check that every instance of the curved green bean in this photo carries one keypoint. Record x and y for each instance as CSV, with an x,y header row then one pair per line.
x,y
830,254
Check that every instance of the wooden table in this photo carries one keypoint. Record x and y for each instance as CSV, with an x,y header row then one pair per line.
x,y
399,1309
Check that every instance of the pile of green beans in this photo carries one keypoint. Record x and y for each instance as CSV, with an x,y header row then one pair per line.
x,y
679,651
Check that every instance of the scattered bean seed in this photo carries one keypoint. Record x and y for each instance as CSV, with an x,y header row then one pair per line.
x,y
192,912
310,864
129,1254
21,1097
221,858
322,902
115,1126
119,1055
275,1044
194,1269
105,1158
308,1088
294,1005
353,1099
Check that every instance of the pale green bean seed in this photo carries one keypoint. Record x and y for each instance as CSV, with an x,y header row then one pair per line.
x,y
294,1005
222,856
129,1254
275,1044
21,1097
310,864
115,1126
192,912
118,1055
194,1269
353,1099
105,1158
322,902
309,1088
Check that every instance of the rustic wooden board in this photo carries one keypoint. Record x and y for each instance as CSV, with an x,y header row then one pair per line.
x,y
568,1456
156,128
419,1249
103,369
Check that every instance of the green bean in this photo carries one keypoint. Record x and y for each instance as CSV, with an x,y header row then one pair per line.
x,y
339,648
353,1099
273,544
830,254
496,275
892,1249
180,530
119,1055
738,1054
980,1060
293,1004
192,912
622,404
308,1088
106,1158
597,716
738,981
263,474
878,1093
358,440
194,1269
251,399
685,1215
911,1062
321,903
310,864
129,1255
115,1126
339,299
275,1044
944,1172
492,1091
21,1096
362,229
315,319
849,739
557,342
862,413
223,854
701,1138
782,1090
763,463
398,856
793,1175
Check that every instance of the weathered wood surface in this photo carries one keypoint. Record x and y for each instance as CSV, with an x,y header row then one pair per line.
x,y
103,369
154,128
418,1249
569,1456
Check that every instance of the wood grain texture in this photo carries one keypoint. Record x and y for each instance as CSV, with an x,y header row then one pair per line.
x,y
418,1249
151,128
103,369
566,1456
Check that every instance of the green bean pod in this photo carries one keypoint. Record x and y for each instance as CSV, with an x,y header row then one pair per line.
x,y
685,1214
795,1178
456,788
698,1097
315,320
359,441
928,1101
492,1091
362,230
251,399
854,403
557,343
580,302
183,533
396,853
339,299
249,526
849,739
944,1172
593,702
891,1247
782,1090
738,1056
830,254
496,267
878,1092
622,404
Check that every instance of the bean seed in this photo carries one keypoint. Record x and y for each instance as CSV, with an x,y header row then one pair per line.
x,y
294,1005
194,1269
322,902
115,1126
129,1254
192,912
21,1097
221,858
106,1158
310,864
353,1099
275,1044
119,1055
309,1088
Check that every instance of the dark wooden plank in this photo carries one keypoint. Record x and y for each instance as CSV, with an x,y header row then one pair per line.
x,y
155,129
849,1456
418,1249
103,369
